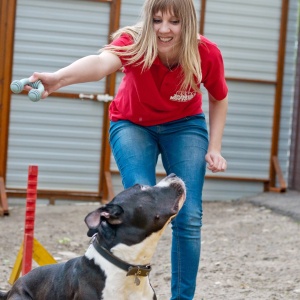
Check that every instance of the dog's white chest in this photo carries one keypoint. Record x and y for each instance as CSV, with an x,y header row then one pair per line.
x,y
128,290
118,286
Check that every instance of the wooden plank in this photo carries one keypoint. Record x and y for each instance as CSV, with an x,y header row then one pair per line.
x,y
279,88
110,84
54,194
3,199
213,177
8,11
109,186
278,172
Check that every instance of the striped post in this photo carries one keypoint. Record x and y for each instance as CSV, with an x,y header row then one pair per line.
x,y
29,219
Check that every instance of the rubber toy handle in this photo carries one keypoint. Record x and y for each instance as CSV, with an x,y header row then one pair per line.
x,y
35,94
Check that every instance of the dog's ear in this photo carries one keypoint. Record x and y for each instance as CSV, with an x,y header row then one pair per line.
x,y
92,220
112,215
110,212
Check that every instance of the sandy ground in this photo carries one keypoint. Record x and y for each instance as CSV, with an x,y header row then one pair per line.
x,y
248,252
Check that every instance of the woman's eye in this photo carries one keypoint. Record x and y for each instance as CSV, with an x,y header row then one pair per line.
x,y
156,21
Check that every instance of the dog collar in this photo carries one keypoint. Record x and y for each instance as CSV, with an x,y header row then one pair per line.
x,y
135,270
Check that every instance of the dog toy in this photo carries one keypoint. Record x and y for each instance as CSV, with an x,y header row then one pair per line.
x,y
34,95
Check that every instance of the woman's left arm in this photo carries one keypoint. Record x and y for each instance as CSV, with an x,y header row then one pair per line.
x,y
217,118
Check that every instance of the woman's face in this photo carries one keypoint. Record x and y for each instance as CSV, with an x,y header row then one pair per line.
x,y
168,31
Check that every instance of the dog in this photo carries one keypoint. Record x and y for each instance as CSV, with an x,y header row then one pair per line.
x,y
116,265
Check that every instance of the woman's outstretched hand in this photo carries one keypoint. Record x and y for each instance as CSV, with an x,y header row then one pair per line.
x,y
50,81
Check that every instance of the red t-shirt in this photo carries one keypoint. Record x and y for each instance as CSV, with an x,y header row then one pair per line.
x,y
152,97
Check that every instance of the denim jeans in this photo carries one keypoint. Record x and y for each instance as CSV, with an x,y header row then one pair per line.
x,y
183,145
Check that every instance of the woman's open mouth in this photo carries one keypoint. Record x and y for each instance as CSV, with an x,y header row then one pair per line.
x,y
165,40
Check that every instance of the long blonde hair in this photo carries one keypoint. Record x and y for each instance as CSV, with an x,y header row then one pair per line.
x,y
144,47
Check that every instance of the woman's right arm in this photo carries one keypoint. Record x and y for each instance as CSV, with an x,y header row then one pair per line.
x,y
86,69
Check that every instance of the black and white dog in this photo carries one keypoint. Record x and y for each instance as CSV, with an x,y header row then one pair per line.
x,y
117,263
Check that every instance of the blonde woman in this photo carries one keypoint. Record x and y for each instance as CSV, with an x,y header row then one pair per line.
x,y
158,110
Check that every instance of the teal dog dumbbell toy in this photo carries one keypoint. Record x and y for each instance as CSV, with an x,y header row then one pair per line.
x,y
34,95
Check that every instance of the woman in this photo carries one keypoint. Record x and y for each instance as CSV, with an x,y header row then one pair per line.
x,y
158,110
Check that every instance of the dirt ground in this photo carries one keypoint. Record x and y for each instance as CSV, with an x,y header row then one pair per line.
x,y
248,252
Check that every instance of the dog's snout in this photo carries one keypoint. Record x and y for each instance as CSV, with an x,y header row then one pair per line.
x,y
172,175
175,182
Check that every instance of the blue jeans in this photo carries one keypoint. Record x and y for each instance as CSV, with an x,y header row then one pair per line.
x,y
183,145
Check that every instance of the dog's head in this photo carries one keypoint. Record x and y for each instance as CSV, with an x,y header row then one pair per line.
x,y
137,212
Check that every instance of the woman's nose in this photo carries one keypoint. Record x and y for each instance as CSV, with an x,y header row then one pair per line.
x,y
164,27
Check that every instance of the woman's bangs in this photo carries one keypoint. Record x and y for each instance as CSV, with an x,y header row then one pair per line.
x,y
166,6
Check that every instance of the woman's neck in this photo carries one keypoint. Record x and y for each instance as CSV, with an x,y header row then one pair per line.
x,y
169,60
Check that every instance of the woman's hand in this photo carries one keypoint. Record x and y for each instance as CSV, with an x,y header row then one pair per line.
x,y
217,116
50,81
216,162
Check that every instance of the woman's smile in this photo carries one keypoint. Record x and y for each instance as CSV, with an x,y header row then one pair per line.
x,y
165,40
